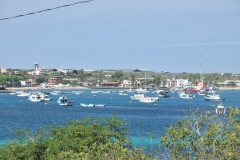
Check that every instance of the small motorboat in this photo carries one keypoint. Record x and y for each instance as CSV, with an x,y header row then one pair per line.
x,y
184,95
122,93
63,101
163,94
87,105
220,109
148,99
213,97
99,105
55,93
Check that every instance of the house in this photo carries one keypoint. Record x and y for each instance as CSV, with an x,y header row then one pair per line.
x,y
182,82
125,83
26,83
6,70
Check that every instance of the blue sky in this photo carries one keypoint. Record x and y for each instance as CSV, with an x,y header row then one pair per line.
x,y
151,34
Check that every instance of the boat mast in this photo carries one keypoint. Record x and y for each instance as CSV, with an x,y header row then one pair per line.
x,y
201,58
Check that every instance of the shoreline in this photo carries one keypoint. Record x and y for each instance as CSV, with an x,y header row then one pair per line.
x,y
8,90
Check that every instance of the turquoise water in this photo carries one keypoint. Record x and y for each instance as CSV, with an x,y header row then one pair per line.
x,y
18,112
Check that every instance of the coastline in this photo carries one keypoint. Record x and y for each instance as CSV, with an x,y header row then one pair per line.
x,y
8,90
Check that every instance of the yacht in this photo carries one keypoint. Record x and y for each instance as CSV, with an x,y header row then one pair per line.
x,y
137,96
63,101
213,97
184,95
23,94
35,98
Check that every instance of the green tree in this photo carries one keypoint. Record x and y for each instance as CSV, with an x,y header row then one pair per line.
x,y
39,80
231,84
3,79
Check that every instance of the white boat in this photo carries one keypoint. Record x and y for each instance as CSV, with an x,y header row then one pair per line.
x,y
99,105
184,95
45,97
147,100
202,92
220,109
55,93
106,91
87,105
213,97
63,101
141,90
35,98
122,93
96,91
23,94
78,92
137,96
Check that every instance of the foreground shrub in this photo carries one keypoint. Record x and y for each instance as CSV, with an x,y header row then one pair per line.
x,y
204,135
90,138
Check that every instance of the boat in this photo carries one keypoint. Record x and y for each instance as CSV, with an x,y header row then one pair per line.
x,y
185,95
202,92
163,94
55,93
141,90
220,109
137,96
63,101
23,94
35,98
99,105
147,99
106,91
87,105
122,93
213,97
78,92
45,97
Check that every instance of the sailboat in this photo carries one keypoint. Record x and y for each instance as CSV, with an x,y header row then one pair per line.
x,y
201,84
147,99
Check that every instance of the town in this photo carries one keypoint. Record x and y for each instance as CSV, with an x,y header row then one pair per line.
x,y
134,78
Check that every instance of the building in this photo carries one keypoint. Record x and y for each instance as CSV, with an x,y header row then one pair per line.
x,y
125,83
6,70
54,80
181,82
26,83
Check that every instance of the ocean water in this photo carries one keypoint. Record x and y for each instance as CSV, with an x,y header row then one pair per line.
x,y
141,118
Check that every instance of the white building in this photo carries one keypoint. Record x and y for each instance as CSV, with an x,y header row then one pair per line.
x,y
182,82
26,83
125,83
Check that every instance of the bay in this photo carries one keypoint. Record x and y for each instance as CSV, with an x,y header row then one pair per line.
x,y
141,118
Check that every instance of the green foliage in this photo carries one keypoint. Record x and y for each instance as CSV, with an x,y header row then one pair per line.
x,y
203,135
90,138
39,80
231,84
3,79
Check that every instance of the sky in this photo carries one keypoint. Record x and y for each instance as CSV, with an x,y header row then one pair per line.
x,y
175,36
